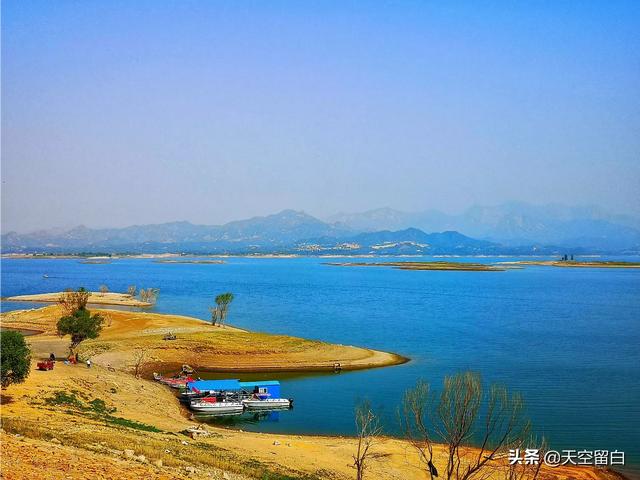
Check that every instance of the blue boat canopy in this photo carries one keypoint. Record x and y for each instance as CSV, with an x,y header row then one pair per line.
x,y
265,383
217,385
230,385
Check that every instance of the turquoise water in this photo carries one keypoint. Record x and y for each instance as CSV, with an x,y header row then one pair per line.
x,y
567,339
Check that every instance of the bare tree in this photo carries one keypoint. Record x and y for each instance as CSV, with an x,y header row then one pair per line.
x,y
140,357
465,413
524,470
132,290
502,427
71,301
415,423
108,321
215,315
103,289
368,428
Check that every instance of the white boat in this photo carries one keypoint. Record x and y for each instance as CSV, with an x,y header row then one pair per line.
x,y
214,408
266,404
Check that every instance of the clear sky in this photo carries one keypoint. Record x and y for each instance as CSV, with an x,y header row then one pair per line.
x,y
123,112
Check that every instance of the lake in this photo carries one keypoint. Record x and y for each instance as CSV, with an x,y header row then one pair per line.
x,y
566,338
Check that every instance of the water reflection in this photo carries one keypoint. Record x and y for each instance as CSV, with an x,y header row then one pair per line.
x,y
245,418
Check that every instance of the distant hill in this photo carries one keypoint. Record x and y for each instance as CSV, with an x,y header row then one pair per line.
x,y
259,233
512,229
411,241
513,224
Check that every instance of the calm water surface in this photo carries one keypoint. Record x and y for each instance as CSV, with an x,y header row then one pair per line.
x,y
567,338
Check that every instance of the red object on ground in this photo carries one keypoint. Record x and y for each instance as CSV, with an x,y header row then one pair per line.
x,y
47,365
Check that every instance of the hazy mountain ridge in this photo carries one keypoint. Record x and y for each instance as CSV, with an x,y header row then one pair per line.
x,y
513,224
508,229
281,229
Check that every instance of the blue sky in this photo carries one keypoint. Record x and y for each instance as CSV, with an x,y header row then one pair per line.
x,y
116,113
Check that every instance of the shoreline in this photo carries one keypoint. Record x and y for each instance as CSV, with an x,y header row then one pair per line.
x,y
116,256
153,443
394,360
156,445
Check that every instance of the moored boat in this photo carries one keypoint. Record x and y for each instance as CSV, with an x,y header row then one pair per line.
x,y
267,403
213,405
178,381
259,395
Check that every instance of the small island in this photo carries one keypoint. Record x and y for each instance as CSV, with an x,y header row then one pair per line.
x,y
574,263
205,262
446,266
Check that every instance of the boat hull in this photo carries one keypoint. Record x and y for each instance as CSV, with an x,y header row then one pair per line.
x,y
269,404
218,408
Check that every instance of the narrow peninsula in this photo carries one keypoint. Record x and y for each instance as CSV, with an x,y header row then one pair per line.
x,y
95,298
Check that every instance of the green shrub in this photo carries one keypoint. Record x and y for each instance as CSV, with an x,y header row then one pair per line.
x,y
15,358
130,424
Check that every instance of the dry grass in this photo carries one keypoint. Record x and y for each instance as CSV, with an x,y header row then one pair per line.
x,y
198,343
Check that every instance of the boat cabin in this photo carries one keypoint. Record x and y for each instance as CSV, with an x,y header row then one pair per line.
x,y
265,388
261,388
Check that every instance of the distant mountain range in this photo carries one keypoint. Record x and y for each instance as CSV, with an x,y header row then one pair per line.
x,y
514,228
273,232
513,224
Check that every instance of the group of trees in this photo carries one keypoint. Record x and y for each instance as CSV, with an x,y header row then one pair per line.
x,y
72,300
149,295
463,414
76,321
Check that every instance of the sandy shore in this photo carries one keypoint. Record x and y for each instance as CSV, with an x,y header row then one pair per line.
x,y
96,298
